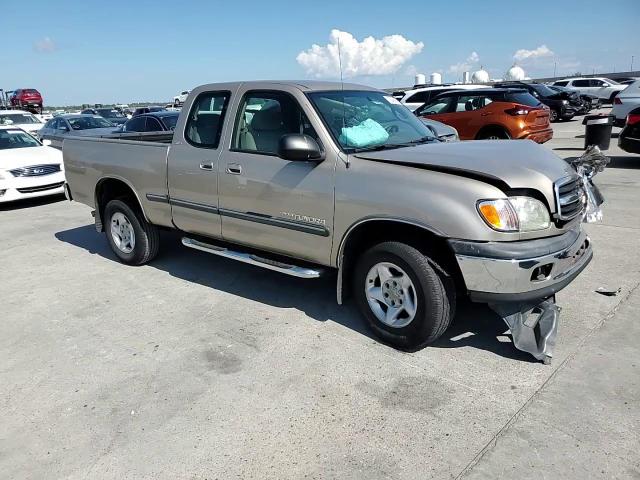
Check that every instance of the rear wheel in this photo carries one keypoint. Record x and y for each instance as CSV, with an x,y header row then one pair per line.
x,y
134,240
402,297
493,134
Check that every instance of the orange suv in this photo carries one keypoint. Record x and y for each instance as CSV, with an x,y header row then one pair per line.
x,y
491,114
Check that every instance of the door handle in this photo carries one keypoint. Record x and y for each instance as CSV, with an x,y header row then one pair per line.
x,y
206,166
234,169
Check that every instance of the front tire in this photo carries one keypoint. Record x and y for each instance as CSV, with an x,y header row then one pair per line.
x,y
553,116
402,297
134,240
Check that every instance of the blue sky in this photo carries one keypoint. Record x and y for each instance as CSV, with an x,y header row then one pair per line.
x,y
106,51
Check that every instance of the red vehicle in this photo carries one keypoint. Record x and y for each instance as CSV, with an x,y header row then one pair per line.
x,y
27,99
491,114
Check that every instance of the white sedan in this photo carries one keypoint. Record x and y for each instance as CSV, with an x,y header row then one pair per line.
x,y
628,99
20,119
27,167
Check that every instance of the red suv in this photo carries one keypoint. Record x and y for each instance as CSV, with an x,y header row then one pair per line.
x,y
27,99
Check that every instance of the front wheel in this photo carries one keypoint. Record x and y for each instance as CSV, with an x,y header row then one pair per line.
x,y
134,240
402,297
553,115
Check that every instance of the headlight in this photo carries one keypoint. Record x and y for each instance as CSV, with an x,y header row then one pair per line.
x,y
515,214
565,102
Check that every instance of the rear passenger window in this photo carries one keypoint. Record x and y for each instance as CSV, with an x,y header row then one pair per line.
x,y
136,124
561,84
204,124
469,103
419,97
581,83
264,118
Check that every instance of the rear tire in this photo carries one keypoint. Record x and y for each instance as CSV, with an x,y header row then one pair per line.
x,y
134,240
493,134
402,297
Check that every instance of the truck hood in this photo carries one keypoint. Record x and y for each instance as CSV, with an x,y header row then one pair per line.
x,y
506,164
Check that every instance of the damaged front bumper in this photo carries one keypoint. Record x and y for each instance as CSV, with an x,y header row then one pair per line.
x,y
519,281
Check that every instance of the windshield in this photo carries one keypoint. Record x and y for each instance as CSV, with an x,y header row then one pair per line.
x,y
363,120
543,89
16,139
108,113
17,119
87,123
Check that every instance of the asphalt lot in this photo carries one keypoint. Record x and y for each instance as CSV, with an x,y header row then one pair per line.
x,y
198,367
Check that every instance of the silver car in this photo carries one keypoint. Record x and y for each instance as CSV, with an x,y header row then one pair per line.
x,y
56,129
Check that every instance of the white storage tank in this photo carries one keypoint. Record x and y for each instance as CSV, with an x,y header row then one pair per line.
x,y
480,76
435,78
420,79
515,73
466,77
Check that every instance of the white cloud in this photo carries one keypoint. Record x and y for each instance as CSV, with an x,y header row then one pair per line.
x,y
371,56
467,65
523,55
45,45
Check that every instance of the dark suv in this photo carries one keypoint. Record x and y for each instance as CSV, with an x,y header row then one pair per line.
x,y
27,99
560,104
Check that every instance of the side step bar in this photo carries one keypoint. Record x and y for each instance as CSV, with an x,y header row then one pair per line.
x,y
293,270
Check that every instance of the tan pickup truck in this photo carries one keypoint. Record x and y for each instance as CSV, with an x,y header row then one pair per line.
x,y
309,177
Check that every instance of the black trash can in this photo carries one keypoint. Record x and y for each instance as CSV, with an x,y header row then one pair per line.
x,y
598,130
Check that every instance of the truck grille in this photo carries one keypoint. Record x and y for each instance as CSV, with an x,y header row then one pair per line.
x,y
40,188
570,197
35,170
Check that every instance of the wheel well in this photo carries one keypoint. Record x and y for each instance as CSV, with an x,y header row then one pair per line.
x,y
493,128
373,232
109,189
613,96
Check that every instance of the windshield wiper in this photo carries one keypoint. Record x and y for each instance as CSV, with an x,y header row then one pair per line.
x,y
376,148
425,139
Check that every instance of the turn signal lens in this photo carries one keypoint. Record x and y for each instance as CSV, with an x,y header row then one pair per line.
x,y
499,215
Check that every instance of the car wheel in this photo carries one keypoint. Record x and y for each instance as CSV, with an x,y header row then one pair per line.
x,y
134,240
553,115
493,134
402,297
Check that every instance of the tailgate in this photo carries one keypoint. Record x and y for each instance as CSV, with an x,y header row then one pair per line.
x,y
538,119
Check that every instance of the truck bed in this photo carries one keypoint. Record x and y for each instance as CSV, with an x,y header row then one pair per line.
x,y
141,164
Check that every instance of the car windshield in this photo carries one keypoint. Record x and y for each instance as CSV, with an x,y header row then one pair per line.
x,y
170,121
369,120
16,139
109,113
87,123
612,82
17,119
542,90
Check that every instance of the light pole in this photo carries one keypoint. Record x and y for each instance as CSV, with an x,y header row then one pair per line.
x,y
631,69
555,65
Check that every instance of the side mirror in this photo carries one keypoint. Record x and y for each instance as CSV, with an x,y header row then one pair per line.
x,y
299,147
46,142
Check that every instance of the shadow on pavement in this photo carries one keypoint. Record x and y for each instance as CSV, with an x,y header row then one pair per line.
x,y
475,326
31,202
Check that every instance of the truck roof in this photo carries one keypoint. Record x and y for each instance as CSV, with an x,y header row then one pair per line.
x,y
304,85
